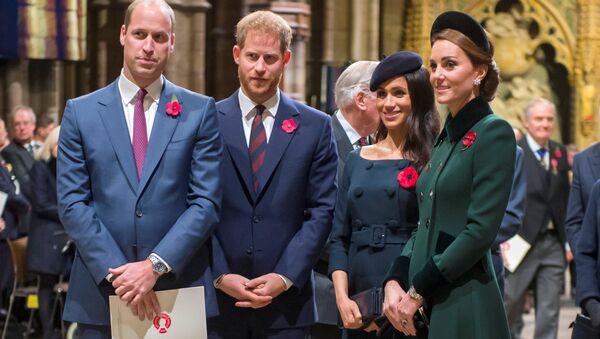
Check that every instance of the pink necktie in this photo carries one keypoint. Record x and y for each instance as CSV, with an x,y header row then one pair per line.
x,y
140,136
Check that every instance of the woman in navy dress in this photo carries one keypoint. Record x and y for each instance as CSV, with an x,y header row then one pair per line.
x,y
376,209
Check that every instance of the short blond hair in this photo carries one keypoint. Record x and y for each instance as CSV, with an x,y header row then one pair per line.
x,y
265,22
51,140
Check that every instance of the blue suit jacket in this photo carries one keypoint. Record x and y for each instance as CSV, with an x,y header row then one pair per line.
x,y
114,218
586,170
587,256
513,216
284,226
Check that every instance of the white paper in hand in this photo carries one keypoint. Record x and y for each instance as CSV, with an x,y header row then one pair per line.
x,y
183,316
514,251
3,198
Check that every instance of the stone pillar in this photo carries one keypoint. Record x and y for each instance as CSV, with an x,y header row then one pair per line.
x,y
364,28
106,56
297,14
186,65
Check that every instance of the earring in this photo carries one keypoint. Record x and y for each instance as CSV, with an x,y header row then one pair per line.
x,y
477,82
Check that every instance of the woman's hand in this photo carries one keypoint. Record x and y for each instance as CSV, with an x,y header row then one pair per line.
x,y
393,295
406,309
350,313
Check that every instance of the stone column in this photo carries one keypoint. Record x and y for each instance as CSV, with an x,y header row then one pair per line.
x,y
186,65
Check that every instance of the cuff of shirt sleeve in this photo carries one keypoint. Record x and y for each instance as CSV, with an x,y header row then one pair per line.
x,y
109,277
399,272
288,283
429,280
164,262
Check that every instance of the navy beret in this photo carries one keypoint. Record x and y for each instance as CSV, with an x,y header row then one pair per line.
x,y
394,65
463,23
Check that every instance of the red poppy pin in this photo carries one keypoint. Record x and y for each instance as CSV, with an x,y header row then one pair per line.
x,y
289,126
558,154
468,139
173,107
407,178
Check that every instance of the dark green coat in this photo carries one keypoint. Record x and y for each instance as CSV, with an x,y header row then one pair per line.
x,y
463,192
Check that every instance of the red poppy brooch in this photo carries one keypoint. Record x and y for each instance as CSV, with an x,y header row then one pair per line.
x,y
407,178
558,154
468,139
289,126
173,107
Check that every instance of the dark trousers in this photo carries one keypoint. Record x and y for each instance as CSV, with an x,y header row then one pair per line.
x,y
85,331
46,301
249,328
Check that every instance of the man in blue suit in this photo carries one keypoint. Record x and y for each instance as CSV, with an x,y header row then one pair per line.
x,y
279,168
586,170
138,181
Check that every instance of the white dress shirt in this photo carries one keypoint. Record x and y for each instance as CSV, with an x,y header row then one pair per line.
x,y
351,133
128,91
248,113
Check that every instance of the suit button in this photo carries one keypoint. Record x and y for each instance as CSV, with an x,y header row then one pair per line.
x,y
249,250
431,195
139,213
256,219
420,196
427,223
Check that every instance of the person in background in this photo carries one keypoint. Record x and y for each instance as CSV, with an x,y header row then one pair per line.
x,y
353,124
587,260
376,208
43,126
47,238
16,207
463,192
543,266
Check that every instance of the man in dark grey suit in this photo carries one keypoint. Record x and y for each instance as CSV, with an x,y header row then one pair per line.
x,y
19,154
546,169
353,123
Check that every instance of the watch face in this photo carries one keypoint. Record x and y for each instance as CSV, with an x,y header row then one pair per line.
x,y
160,267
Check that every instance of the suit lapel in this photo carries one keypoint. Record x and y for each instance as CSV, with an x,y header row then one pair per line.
x,y
232,131
595,161
279,140
162,131
537,181
343,143
112,116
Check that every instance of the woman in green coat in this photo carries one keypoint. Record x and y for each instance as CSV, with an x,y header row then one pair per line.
x,y
462,193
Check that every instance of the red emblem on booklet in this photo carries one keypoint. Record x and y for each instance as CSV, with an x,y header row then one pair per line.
x,y
173,107
408,177
289,126
162,322
469,139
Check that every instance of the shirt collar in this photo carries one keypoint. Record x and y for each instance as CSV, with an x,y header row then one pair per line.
x,y
456,127
352,135
533,145
247,105
129,90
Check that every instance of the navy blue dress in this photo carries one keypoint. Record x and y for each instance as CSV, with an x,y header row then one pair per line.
x,y
374,218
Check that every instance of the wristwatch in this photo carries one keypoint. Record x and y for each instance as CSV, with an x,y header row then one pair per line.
x,y
217,282
413,294
158,265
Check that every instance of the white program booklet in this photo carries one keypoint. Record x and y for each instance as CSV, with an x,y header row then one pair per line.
x,y
514,251
183,316
3,198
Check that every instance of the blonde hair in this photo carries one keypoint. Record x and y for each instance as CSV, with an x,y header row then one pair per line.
x,y
45,152
264,22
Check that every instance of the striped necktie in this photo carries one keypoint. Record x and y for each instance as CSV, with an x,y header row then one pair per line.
x,y
258,145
